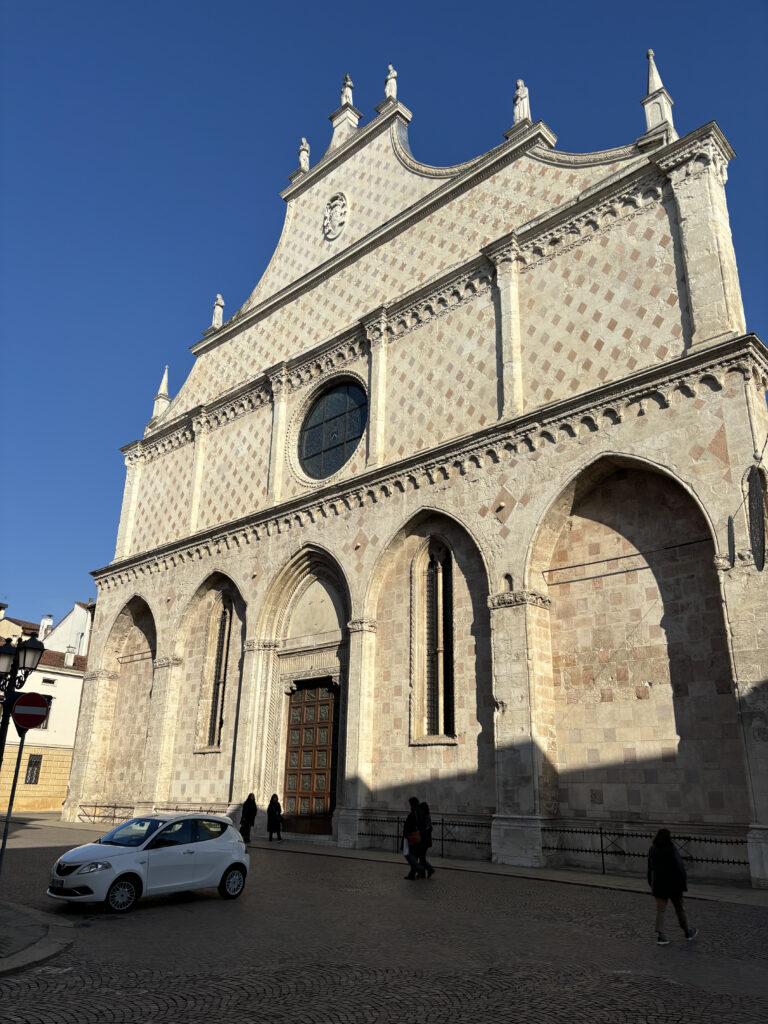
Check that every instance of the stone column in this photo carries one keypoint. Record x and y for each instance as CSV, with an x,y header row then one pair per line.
x,y
162,716
506,261
376,331
516,826
355,786
279,386
744,593
94,730
696,169
134,464
201,429
249,724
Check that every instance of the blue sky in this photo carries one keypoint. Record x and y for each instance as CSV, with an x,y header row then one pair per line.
x,y
143,149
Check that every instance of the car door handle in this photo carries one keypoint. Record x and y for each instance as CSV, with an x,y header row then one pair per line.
x,y
187,853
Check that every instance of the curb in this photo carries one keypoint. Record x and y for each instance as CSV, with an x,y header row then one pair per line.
x,y
57,939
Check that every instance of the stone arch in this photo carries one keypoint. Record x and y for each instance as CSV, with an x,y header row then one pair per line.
x,y
634,707
125,697
204,697
305,668
455,773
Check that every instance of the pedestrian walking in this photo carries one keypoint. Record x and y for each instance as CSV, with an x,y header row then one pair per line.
x,y
426,839
412,840
248,817
667,879
274,818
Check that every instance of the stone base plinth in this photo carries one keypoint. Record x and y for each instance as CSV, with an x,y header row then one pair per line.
x,y
516,840
757,850
345,824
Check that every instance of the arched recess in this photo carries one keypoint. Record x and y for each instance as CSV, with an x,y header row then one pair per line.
x,y
204,697
304,622
448,759
129,655
633,700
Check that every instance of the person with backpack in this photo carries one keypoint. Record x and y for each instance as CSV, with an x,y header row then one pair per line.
x,y
667,879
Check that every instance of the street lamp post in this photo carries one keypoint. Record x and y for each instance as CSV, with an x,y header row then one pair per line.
x,y
16,663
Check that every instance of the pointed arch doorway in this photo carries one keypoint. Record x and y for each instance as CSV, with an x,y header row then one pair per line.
x,y
311,756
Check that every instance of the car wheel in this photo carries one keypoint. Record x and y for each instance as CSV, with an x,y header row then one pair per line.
x,y
122,895
232,882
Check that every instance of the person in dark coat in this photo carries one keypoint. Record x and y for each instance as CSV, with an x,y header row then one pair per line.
x,y
248,817
667,879
426,839
412,839
274,812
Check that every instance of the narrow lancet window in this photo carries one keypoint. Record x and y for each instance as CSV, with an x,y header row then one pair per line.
x,y
219,682
438,643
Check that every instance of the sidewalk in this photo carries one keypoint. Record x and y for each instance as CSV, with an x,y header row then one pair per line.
x,y
29,937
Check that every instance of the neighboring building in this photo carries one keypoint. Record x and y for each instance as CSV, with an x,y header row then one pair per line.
x,y
47,754
444,509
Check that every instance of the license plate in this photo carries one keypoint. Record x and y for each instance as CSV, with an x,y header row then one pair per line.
x,y
56,883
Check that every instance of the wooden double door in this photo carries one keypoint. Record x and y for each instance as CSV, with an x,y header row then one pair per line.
x,y
309,790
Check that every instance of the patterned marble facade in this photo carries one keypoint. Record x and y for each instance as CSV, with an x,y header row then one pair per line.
x,y
532,588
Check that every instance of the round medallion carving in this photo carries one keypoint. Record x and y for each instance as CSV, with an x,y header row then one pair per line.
x,y
335,216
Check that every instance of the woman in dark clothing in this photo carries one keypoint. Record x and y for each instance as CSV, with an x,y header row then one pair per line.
x,y
666,877
248,817
274,811
412,840
426,839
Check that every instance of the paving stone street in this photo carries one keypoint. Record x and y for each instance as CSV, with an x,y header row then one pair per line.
x,y
319,938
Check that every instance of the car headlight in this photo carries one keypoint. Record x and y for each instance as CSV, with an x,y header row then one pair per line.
x,y
95,865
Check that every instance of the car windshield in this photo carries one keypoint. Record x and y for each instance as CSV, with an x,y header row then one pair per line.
x,y
133,832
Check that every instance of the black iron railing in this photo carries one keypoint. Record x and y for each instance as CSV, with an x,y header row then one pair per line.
x,y
449,837
109,813
619,843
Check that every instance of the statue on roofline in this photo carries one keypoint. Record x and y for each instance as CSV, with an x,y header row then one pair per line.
x,y
304,155
522,105
390,84
346,91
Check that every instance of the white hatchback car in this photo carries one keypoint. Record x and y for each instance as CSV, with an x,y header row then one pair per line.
x,y
149,856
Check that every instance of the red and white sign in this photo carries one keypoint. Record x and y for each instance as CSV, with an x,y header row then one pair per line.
x,y
30,710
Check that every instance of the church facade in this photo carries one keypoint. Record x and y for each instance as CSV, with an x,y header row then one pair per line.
x,y
465,501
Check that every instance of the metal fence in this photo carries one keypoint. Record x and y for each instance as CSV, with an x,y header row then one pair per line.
x,y
450,838
607,843
105,813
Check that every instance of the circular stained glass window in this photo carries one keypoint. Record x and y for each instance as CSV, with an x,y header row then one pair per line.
x,y
332,429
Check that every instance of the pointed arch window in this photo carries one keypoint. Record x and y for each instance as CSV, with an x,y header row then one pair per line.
x,y
221,634
433,661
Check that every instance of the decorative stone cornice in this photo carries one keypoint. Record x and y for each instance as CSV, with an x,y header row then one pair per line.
x,y
99,673
167,662
706,146
333,358
538,432
362,626
513,598
262,645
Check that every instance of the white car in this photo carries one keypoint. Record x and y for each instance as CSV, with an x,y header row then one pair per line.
x,y
153,855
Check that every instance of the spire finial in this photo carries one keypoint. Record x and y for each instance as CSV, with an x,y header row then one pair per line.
x,y
162,401
658,107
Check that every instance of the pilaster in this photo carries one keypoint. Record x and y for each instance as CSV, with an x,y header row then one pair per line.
x,y
376,331
279,387
201,430
516,829
134,464
506,261
89,759
161,735
696,167
359,724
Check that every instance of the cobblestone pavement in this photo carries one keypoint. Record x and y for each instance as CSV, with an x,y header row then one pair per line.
x,y
325,939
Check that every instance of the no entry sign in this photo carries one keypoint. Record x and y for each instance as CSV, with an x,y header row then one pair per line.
x,y
29,710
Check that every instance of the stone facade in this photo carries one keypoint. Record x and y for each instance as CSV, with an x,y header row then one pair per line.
x,y
563,407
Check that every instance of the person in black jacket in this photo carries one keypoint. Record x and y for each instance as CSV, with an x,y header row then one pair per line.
x,y
426,839
412,833
248,817
666,877
274,817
